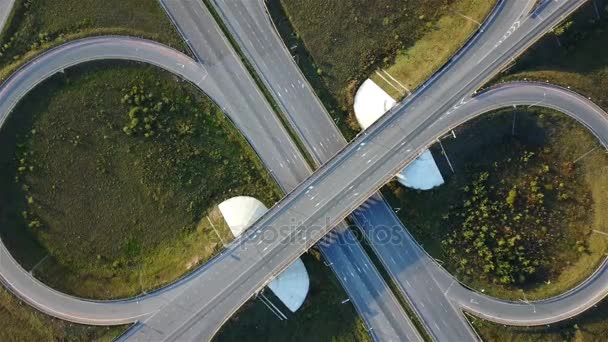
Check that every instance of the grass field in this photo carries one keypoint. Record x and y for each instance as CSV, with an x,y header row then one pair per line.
x,y
38,25
119,213
488,139
322,317
579,61
339,44
415,64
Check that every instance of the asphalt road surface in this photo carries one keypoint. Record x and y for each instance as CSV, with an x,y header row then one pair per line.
x,y
252,28
254,32
371,296
412,136
347,180
223,78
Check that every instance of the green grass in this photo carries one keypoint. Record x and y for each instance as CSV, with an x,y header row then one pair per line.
x,y
346,42
478,145
119,213
36,23
415,64
36,26
322,317
581,63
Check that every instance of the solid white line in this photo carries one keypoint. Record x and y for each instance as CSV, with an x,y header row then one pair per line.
x,y
396,81
400,91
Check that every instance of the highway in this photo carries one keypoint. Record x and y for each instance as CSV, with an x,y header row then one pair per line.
x,y
412,271
223,78
348,179
252,28
254,32
126,311
378,307
406,136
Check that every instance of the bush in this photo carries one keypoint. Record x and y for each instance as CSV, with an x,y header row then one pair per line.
x,y
508,226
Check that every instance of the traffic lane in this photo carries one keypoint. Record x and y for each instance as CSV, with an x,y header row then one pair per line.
x,y
250,24
501,23
410,269
377,305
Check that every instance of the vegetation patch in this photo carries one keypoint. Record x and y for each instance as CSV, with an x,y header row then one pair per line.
x,y
522,210
39,24
110,174
347,42
510,224
415,64
577,57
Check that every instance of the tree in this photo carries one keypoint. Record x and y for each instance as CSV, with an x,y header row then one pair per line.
x,y
511,197
560,30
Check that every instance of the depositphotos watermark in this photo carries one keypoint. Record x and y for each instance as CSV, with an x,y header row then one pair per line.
x,y
306,234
